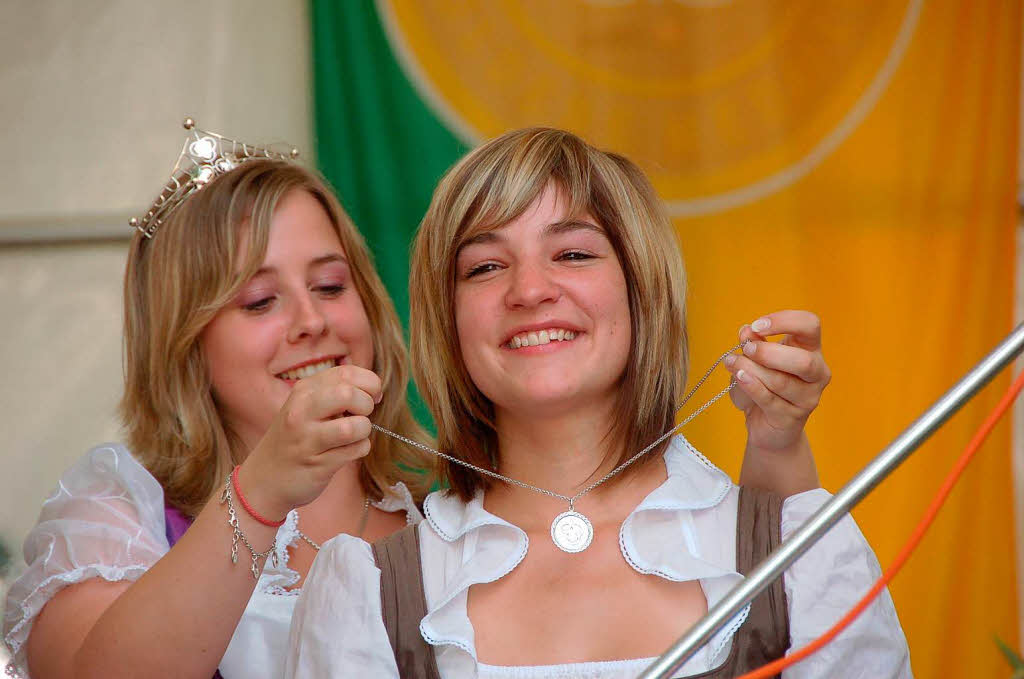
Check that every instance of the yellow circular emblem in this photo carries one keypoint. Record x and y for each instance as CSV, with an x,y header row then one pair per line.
x,y
720,101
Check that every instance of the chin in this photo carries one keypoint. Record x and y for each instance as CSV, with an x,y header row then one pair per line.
x,y
546,402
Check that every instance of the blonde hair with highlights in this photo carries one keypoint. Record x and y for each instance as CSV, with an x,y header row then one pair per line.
x,y
176,282
487,189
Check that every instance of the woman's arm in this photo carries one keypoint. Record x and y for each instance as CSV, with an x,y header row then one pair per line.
x,y
779,384
181,613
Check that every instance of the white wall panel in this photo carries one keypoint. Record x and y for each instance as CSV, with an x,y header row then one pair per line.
x,y
93,95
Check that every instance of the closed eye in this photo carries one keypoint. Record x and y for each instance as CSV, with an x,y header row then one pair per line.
x,y
330,290
481,268
574,256
259,305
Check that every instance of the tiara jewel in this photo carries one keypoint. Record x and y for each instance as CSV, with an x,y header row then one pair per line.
x,y
204,156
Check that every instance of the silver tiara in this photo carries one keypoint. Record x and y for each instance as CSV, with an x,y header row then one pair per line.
x,y
204,156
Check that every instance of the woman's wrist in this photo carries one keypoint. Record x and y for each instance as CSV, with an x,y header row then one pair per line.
x,y
256,500
785,471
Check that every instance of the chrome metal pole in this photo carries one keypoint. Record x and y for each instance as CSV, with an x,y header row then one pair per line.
x,y
832,511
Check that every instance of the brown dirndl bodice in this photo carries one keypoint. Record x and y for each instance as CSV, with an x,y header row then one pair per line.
x,y
763,636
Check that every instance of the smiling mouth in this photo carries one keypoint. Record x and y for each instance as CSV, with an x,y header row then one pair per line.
x,y
308,370
536,338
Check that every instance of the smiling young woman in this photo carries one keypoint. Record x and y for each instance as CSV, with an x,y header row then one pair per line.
x,y
537,234
259,345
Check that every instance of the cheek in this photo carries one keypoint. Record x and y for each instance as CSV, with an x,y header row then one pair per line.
x,y
615,311
235,350
352,324
469,333
465,328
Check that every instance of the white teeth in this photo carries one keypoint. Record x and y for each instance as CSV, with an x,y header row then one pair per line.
x,y
307,370
539,337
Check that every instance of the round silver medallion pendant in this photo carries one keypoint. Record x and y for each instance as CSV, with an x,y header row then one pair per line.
x,y
571,531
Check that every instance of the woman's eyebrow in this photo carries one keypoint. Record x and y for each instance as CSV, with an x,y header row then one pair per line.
x,y
570,225
483,237
329,258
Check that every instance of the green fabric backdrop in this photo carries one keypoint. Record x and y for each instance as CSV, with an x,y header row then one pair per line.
x,y
377,143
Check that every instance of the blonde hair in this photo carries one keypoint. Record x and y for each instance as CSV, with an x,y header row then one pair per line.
x,y
488,188
176,282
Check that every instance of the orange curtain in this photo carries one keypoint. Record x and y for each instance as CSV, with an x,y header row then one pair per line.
x,y
853,158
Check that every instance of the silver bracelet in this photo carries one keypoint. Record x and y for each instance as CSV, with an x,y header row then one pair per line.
x,y
237,534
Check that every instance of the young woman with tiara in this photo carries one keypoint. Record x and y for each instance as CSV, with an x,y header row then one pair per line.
x,y
548,334
259,343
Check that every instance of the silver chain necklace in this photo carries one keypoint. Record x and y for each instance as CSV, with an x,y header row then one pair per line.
x,y
359,530
571,531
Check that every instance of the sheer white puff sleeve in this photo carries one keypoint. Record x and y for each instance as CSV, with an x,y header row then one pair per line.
x,y
337,629
104,519
825,583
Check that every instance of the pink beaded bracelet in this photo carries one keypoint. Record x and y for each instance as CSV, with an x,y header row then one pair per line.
x,y
248,507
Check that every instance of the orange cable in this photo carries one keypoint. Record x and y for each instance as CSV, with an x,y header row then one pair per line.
x,y
773,668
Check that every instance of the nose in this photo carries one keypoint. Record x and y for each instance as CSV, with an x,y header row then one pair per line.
x,y
530,285
308,320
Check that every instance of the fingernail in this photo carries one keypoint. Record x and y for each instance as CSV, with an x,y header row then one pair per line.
x,y
742,328
742,376
380,397
730,360
761,324
749,348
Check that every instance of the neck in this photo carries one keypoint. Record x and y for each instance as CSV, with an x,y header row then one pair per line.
x,y
564,454
339,506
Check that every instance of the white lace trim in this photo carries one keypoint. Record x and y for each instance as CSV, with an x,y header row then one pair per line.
x,y
46,590
281,581
436,637
675,503
399,498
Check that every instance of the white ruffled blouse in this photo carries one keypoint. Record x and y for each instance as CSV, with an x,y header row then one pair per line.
x,y
684,530
106,519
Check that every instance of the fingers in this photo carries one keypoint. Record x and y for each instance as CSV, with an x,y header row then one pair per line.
x,y
340,399
364,379
792,371
334,458
778,410
345,389
343,432
781,387
803,328
740,399
809,366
